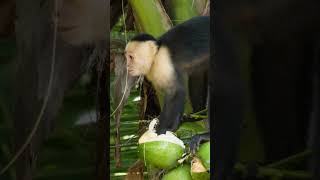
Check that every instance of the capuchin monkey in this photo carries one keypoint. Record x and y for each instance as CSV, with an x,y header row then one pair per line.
x,y
180,53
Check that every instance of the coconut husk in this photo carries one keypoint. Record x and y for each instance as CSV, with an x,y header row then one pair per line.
x,y
135,172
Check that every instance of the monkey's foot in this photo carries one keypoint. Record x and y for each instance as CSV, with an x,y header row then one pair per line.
x,y
196,141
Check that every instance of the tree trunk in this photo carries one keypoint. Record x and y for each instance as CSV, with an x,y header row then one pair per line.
x,y
150,16
181,10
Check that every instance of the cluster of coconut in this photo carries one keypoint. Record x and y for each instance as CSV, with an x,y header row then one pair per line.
x,y
167,151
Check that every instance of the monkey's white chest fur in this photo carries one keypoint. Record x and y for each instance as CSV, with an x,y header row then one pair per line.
x,y
162,73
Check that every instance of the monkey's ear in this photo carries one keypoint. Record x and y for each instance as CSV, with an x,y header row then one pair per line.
x,y
153,47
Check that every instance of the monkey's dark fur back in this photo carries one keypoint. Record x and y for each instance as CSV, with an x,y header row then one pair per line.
x,y
188,40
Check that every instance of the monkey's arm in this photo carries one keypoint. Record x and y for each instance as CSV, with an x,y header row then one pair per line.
x,y
172,109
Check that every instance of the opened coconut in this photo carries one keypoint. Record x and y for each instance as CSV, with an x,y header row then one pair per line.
x,y
198,171
162,151
181,172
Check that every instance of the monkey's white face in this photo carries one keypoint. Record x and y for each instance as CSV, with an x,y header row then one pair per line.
x,y
140,56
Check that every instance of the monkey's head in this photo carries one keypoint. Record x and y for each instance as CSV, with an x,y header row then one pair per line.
x,y
140,53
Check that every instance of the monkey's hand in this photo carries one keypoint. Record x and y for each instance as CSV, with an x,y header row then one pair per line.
x,y
160,130
166,126
196,141
170,116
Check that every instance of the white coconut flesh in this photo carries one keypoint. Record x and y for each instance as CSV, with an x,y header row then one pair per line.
x,y
197,166
150,135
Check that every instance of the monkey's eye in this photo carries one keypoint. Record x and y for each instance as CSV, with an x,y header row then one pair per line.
x,y
130,57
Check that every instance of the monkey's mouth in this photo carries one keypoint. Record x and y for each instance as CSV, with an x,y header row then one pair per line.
x,y
130,71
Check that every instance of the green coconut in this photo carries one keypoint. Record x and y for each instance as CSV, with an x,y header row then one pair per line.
x,y
161,154
162,151
204,154
181,172
198,171
188,129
